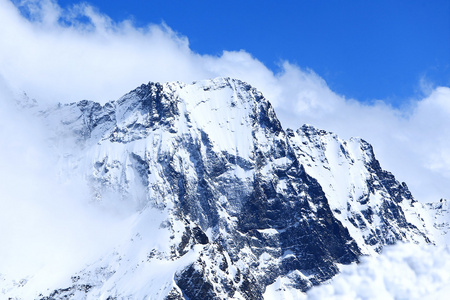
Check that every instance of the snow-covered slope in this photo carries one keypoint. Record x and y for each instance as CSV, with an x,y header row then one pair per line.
x,y
438,220
370,202
221,202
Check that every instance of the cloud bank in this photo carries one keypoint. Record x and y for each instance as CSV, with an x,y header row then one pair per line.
x,y
68,55
402,271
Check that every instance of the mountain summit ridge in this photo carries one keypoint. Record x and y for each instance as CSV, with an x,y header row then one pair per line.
x,y
225,202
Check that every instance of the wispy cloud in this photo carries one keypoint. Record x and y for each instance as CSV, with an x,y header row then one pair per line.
x,y
48,227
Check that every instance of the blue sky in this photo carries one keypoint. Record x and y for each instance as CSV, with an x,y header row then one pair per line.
x,y
363,49
358,51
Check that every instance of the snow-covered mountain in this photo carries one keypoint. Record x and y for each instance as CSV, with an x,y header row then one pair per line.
x,y
222,202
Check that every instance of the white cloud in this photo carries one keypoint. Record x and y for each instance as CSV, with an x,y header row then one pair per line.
x,y
55,56
402,271
100,59
48,226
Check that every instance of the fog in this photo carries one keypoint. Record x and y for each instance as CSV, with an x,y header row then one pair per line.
x,y
49,227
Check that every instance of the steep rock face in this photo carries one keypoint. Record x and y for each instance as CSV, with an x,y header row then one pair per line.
x,y
224,201
376,208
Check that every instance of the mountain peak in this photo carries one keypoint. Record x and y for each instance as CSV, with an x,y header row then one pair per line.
x,y
236,202
218,107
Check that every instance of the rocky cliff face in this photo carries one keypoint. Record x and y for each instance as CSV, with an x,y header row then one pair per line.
x,y
224,201
376,208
